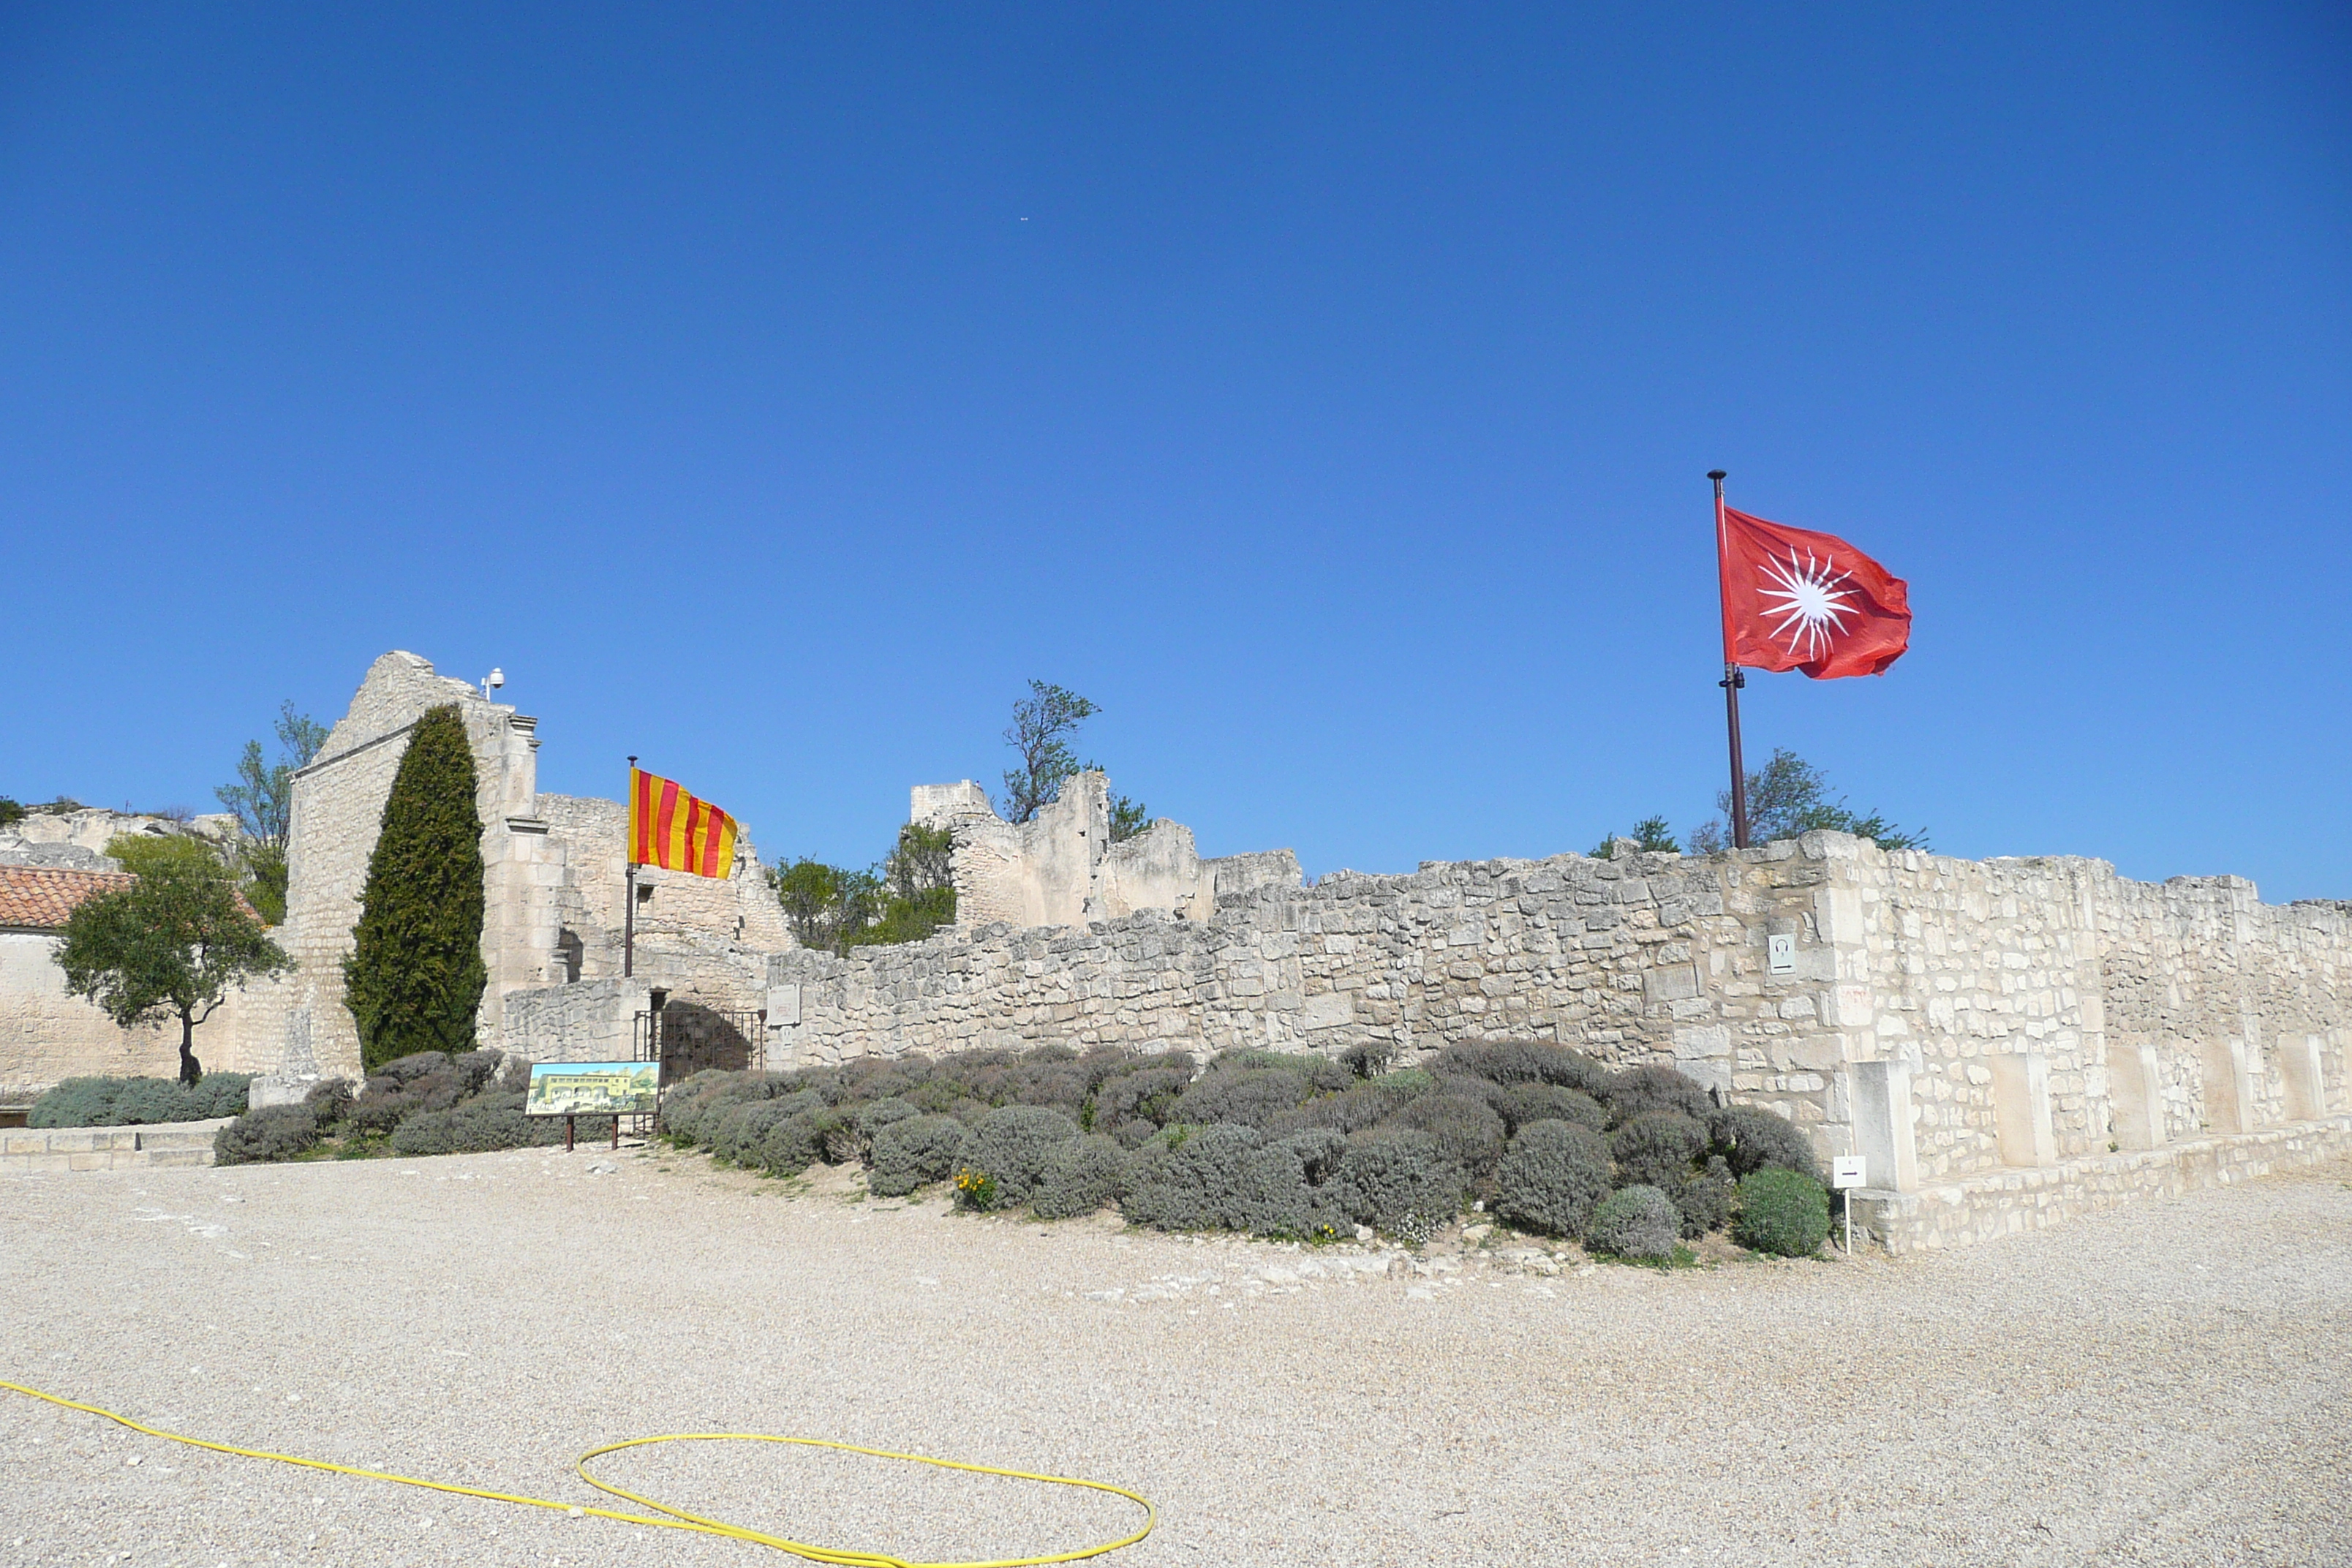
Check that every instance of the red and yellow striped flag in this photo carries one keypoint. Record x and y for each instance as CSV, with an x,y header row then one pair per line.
x,y
673,830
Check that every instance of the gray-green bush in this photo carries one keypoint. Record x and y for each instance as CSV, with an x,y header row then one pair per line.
x,y
1636,1090
489,1122
1634,1222
1081,1175
1393,1174
1704,1198
1551,1178
1524,1061
1197,1179
1243,1096
1013,1144
1657,1149
916,1151
1468,1131
272,1132
1550,1102
1751,1140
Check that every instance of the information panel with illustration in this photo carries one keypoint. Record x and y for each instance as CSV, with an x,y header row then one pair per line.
x,y
592,1089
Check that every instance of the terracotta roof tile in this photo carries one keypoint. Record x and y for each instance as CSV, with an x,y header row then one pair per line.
x,y
42,896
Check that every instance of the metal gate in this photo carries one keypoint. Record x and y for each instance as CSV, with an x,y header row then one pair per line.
x,y
686,1038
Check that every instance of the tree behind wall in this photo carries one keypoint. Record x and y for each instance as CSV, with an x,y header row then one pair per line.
x,y
169,945
1791,796
263,799
414,980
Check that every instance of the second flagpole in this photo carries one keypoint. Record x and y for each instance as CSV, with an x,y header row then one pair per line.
x,y
1734,678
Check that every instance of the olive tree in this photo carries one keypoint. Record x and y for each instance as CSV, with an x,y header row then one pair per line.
x,y
168,945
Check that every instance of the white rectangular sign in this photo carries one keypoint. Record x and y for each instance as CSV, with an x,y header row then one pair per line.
x,y
1846,1171
1780,952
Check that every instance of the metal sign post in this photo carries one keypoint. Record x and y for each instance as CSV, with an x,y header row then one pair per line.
x,y
1847,1173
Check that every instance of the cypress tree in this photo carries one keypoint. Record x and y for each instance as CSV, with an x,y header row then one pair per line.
x,y
414,980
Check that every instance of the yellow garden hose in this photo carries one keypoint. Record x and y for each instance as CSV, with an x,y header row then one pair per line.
x,y
679,1518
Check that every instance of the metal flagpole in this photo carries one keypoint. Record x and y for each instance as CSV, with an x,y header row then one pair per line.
x,y
629,894
1734,678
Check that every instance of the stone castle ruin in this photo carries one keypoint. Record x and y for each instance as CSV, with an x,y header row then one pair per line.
x,y
2006,1042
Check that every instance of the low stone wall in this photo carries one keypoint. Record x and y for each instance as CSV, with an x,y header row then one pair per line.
x,y
59,1149
2007,1201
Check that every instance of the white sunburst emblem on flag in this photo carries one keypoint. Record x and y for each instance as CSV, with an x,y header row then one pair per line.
x,y
1813,602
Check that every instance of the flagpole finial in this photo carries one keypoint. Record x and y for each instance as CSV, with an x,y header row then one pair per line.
x,y
633,759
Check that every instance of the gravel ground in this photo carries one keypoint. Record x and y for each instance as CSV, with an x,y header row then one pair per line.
x,y
2165,1384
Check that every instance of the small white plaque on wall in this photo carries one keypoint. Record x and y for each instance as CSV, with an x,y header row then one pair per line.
x,y
1846,1171
1780,952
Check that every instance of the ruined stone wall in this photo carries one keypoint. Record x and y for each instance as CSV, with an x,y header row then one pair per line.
x,y
1062,867
338,812
553,879
1946,1017
678,914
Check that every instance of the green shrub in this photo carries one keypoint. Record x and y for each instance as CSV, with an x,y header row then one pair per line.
x,y
1369,1058
1524,1061
975,1190
1467,1131
1081,1175
1638,1091
1013,1144
1392,1175
1549,1102
1784,1213
139,1101
1752,1139
220,1094
77,1103
1704,1198
1657,1149
272,1132
921,1149
1634,1222
1551,1178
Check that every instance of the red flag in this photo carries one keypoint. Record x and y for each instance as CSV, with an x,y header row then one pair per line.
x,y
1810,602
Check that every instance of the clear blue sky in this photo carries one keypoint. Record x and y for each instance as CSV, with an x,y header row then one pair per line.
x,y
1325,391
